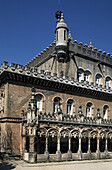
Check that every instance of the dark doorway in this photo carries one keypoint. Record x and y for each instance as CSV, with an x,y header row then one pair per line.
x,y
102,144
84,145
35,144
93,144
27,143
41,145
52,144
64,144
74,144
109,145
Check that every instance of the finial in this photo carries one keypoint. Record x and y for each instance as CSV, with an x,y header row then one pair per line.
x,y
58,15
62,17
70,36
90,44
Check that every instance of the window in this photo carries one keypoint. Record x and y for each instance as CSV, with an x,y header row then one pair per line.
x,y
86,77
57,35
98,79
64,34
89,110
79,76
107,82
39,103
70,107
105,111
39,99
56,104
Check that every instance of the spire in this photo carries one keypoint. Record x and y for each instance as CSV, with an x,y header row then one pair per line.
x,y
60,21
62,18
61,37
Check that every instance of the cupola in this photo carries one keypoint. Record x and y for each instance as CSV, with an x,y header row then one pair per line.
x,y
61,37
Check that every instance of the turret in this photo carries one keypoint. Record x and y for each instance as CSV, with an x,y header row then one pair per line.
x,y
61,37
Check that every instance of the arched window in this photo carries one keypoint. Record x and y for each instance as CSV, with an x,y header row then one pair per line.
x,y
107,82
98,79
56,104
39,102
87,76
70,107
89,110
105,111
80,75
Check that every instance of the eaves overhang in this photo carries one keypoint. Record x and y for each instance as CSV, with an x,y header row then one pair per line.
x,y
53,82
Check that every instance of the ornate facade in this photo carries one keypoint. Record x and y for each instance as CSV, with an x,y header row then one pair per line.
x,y
59,105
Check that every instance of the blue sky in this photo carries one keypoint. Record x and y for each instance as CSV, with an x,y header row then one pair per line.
x,y
27,26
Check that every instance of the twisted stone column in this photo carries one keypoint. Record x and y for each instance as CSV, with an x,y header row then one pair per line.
x,y
32,154
98,146
106,146
31,147
89,144
58,152
80,151
46,147
69,147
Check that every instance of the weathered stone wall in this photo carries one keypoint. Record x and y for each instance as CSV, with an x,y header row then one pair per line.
x,y
10,137
70,68
20,95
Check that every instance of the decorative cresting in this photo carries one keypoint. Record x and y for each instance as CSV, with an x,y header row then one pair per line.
x,y
75,119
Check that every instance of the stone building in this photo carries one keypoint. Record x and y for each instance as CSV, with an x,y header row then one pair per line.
x,y
59,105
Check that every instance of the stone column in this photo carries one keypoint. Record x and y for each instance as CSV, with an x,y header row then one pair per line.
x,y
69,147
31,149
80,151
24,144
24,151
98,146
89,145
46,147
32,154
58,147
106,144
